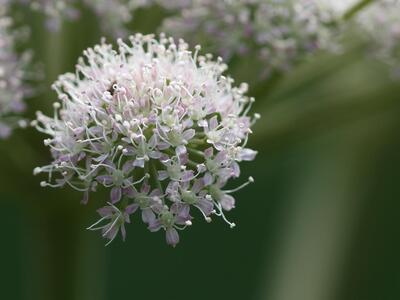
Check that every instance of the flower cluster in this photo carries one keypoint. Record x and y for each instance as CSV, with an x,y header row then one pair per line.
x,y
381,24
156,124
13,75
280,32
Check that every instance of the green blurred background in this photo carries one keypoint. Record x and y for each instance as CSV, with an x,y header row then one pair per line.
x,y
321,221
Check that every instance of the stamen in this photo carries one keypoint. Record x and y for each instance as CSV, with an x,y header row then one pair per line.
x,y
250,180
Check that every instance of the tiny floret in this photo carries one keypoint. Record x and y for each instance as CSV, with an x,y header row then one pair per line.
x,y
156,125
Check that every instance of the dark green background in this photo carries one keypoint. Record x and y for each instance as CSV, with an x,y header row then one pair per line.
x,y
320,222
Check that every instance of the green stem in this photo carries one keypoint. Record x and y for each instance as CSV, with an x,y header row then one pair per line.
x,y
356,8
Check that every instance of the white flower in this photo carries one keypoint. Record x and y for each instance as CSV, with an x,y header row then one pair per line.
x,y
13,75
279,32
381,24
156,124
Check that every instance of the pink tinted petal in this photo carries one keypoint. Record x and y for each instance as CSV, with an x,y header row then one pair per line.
x,y
112,233
208,179
155,193
148,216
155,226
227,202
175,207
197,185
106,211
145,188
206,206
162,145
162,175
115,194
183,211
235,169
155,154
139,162
130,209
172,237
183,158
180,150
213,122
225,173
208,153
247,154
187,175
189,134
153,141
128,166
185,185
130,192
221,157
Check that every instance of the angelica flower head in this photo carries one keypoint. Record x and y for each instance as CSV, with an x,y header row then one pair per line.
x,y
279,32
158,125
13,75
380,23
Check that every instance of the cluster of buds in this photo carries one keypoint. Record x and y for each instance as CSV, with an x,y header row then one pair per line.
x,y
157,125
279,32
13,75
381,24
